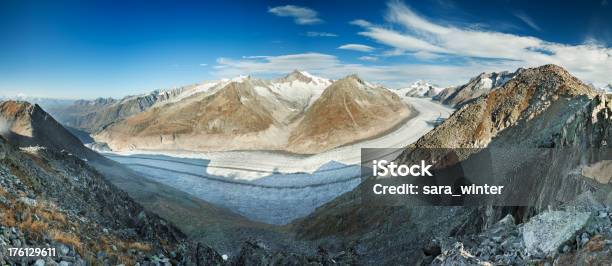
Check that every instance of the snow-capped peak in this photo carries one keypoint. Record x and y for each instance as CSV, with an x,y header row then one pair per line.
x,y
303,76
299,86
419,84
240,78
607,89
305,73
419,88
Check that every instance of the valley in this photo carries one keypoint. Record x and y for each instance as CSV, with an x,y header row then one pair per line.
x,y
273,187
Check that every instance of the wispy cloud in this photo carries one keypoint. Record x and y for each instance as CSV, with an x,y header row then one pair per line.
x,y
320,34
300,15
203,65
361,22
357,47
414,33
399,75
227,67
368,58
527,20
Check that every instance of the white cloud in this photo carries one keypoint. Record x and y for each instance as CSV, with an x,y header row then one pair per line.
x,y
273,64
527,20
320,34
417,35
368,58
203,65
300,15
357,47
361,22
424,55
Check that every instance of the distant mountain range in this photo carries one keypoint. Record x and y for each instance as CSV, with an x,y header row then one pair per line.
x,y
42,101
476,87
607,89
419,89
299,112
294,113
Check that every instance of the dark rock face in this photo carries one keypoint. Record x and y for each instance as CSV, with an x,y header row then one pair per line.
x,y
257,253
200,254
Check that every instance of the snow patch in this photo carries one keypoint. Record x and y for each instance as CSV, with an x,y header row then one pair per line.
x,y
486,83
264,92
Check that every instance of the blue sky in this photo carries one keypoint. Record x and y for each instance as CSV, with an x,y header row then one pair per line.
x,y
87,49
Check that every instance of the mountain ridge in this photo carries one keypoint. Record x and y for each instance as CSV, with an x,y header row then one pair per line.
x,y
244,114
477,86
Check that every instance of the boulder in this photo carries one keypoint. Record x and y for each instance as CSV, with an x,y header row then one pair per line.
x,y
545,233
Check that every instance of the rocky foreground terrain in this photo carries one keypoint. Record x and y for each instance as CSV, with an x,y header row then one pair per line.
x,y
54,199
51,197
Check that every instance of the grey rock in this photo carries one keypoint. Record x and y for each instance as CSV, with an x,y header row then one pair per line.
x,y
566,249
16,242
4,201
27,201
63,249
545,233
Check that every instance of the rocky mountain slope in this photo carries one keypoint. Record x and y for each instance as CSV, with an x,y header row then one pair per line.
x,y
29,125
94,115
241,113
539,108
476,87
348,110
55,199
522,98
249,113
